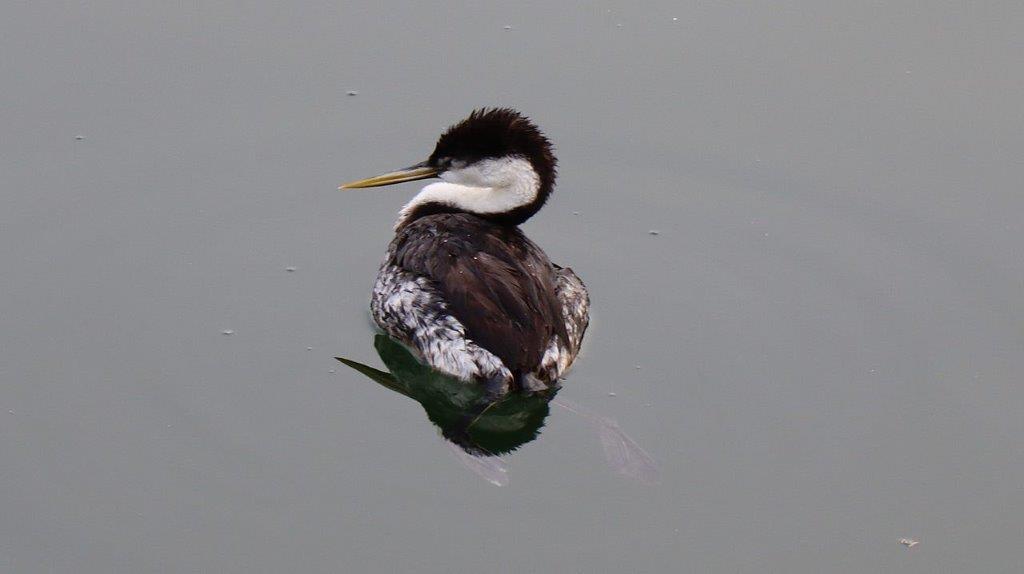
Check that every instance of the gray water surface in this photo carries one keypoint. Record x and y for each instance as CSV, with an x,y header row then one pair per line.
x,y
822,347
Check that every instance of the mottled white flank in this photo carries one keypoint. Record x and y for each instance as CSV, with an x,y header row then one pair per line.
x,y
409,309
576,312
486,186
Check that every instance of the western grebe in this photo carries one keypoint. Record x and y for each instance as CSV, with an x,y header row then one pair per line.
x,y
460,284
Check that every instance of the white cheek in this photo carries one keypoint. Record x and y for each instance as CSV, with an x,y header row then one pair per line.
x,y
487,186
484,173
457,176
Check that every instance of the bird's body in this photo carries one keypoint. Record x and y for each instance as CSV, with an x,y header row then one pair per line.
x,y
460,283
480,301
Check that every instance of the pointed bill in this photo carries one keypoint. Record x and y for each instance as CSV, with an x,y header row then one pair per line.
x,y
411,173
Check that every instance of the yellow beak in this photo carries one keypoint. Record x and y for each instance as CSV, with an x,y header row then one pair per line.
x,y
412,173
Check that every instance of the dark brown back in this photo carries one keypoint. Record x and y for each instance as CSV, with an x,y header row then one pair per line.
x,y
496,282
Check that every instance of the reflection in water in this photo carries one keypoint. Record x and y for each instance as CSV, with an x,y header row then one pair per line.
x,y
466,416
622,453
480,428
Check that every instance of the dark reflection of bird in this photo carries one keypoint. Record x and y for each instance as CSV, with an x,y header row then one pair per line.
x,y
462,412
481,428
460,283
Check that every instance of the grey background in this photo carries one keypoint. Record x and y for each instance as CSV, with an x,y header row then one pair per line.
x,y
829,327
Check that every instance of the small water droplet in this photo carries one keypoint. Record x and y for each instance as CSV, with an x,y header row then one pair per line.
x,y
675,19
10,412
654,232
618,25
228,332
290,269
611,394
507,27
332,371
575,213
309,348
352,93
79,138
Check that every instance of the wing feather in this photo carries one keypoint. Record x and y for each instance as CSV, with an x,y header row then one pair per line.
x,y
495,281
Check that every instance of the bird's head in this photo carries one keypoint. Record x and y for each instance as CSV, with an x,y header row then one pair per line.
x,y
495,163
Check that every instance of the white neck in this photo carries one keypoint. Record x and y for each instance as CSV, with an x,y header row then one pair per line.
x,y
488,186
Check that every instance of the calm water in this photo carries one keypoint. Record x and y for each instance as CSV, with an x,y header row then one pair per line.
x,y
822,348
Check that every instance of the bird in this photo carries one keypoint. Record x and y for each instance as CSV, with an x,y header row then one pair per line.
x,y
461,285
